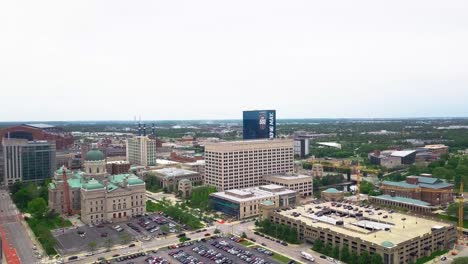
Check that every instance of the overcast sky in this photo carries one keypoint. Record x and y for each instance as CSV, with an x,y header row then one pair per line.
x,y
113,60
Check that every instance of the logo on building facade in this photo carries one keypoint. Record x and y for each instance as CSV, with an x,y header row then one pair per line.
x,y
262,121
271,122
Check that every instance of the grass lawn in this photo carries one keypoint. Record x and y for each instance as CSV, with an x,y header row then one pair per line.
x,y
452,219
278,257
246,243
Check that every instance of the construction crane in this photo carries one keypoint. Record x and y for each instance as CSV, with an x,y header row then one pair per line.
x,y
66,191
358,184
461,203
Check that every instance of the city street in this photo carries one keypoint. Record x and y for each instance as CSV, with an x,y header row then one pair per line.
x,y
292,251
16,233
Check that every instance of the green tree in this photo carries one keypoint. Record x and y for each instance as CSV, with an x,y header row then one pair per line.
x,y
345,256
244,235
327,250
153,184
165,229
37,207
318,246
364,258
354,258
21,199
376,259
16,187
92,246
336,252
414,170
216,231
366,187
460,260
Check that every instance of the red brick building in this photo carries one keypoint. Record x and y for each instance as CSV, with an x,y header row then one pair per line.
x,y
424,188
62,139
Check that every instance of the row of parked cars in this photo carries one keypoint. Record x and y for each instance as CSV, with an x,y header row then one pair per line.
x,y
184,257
270,238
129,257
240,253
156,260
212,254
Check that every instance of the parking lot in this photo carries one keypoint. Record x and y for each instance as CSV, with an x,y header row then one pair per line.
x,y
144,228
73,240
211,250
153,225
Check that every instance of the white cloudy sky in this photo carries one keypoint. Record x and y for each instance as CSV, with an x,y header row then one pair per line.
x,y
197,59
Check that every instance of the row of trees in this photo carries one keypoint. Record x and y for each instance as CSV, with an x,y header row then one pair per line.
x,y
328,180
200,197
279,231
32,198
174,211
23,193
345,255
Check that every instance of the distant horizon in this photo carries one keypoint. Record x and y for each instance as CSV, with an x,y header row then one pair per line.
x,y
240,119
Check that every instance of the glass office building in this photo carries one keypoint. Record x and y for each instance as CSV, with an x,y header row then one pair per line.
x,y
27,161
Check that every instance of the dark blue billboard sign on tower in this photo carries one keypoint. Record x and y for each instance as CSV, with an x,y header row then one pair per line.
x,y
259,124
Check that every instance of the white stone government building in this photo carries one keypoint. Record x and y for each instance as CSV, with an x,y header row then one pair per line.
x,y
96,195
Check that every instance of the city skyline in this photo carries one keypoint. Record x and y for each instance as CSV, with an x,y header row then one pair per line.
x,y
211,60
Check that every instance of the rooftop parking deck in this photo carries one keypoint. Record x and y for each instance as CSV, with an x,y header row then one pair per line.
x,y
371,224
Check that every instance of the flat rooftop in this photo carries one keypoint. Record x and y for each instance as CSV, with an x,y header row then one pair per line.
x,y
241,145
253,193
403,200
402,153
174,172
290,177
371,227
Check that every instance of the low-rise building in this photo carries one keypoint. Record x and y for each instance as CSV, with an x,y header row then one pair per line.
x,y
396,237
392,158
170,177
185,188
302,184
424,188
332,194
243,203
412,205
437,149
317,170
117,167
198,166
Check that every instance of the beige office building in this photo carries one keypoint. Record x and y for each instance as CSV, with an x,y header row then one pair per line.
x,y
141,150
242,164
302,184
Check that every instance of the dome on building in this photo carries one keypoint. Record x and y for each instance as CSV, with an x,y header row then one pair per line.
x,y
93,185
387,244
332,190
94,155
133,180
